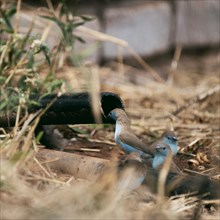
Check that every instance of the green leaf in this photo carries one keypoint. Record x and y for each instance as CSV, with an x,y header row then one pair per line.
x,y
59,23
80,131
79,39
7,23
46,54
87,18
39,136
30,64
80,23
11,11
3,104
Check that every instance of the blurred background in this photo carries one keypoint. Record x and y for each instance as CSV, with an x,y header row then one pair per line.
x,y
151,28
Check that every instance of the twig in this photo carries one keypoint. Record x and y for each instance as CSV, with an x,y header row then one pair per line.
x,y
18,11
101,36
26,124
42,167
208,170
176,57
186,154
69,180
148,68
95,94
89,149
102,142
194,142
195,172
214,201
34,177
50,161
197,98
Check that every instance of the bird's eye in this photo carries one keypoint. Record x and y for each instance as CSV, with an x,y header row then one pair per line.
x,y
164,148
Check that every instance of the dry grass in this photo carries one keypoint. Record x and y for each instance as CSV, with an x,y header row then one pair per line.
x,y
52,194
30,189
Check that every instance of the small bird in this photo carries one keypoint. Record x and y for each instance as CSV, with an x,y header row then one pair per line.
x,y
131,171
134,172
124,135
169,138
55,137
162,151
129,142
178,183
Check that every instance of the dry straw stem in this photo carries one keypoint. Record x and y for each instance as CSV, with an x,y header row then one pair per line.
x,y
49,180
10,146
216,201
120,61
90,150
163,176
18,10
176,57
22,61
95,94
42,167
195,172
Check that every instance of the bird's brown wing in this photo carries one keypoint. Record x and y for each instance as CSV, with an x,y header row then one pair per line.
x,y
132,140
175,169
153,147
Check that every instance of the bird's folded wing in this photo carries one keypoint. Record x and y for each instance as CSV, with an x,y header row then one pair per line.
x,y
174,168
133,141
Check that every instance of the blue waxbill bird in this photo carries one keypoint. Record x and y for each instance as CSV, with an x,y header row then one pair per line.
x,y
129,142
132,170
169,138
177,183
125,137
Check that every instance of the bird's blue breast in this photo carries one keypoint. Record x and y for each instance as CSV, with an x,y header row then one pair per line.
x,y
158,161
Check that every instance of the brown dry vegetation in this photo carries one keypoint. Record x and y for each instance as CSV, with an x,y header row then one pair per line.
x,y
32,189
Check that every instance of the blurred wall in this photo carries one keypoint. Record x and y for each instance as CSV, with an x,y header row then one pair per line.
x,y
149,27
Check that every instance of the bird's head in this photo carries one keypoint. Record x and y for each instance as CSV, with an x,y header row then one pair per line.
x,y
113,115
117,113
162,149
162,152
169,137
